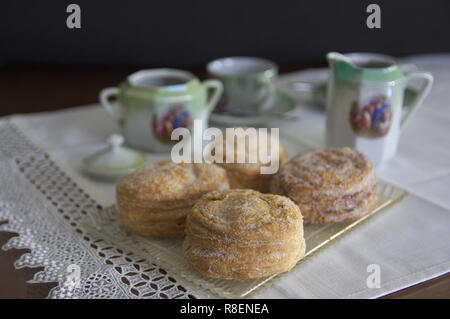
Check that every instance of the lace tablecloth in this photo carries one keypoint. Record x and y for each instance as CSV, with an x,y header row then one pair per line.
x,y
46,199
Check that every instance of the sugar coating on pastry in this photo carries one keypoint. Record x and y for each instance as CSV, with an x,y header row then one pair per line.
x,y
155,199
247,174
167,183
242,234
329,185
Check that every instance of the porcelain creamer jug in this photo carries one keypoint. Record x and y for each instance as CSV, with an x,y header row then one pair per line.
x,y
365,103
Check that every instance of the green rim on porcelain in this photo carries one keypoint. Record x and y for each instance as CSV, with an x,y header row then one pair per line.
x,y
242,66
148,82
351,68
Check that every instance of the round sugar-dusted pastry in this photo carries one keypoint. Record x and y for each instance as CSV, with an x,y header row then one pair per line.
x,y
242,233
245,169
155,199
329,186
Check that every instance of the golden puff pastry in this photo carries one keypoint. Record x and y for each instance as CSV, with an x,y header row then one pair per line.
x,y
155,199
248,174
329,186
242,233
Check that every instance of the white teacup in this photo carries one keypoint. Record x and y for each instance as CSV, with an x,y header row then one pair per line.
x,y
249,83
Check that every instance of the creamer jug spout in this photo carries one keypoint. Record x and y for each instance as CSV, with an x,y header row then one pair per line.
x,y
335,58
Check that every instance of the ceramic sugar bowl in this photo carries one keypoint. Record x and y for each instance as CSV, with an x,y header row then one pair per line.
x,y
153,103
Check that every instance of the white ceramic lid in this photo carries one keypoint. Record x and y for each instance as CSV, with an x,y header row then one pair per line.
x,y
115,160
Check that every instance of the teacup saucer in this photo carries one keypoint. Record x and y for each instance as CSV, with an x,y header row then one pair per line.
x,y
284,106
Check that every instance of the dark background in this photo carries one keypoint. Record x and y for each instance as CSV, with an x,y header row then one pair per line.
x,y
188,33
45,66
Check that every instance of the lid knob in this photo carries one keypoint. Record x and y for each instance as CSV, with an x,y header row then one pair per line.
x,y
115,140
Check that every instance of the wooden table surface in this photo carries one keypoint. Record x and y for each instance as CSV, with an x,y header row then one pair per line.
x,y
28,90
